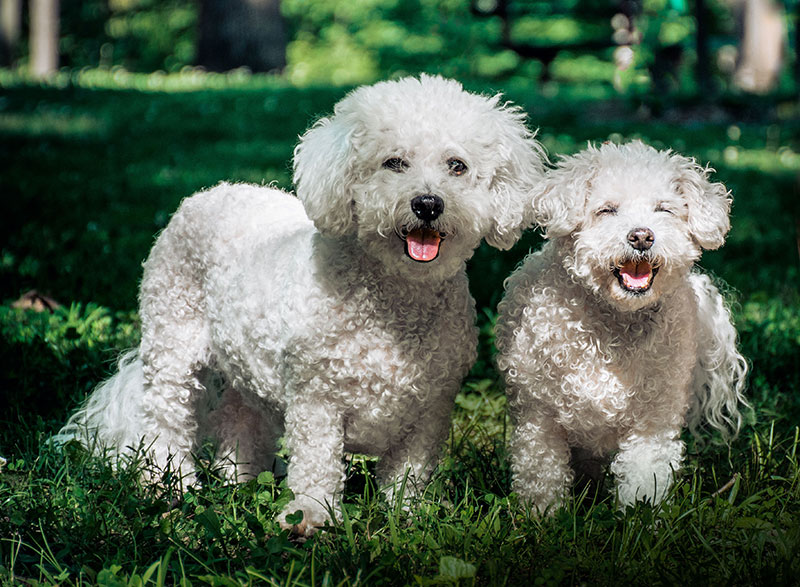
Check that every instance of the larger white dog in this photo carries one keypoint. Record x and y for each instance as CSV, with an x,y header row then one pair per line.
x,y
343,317
609,340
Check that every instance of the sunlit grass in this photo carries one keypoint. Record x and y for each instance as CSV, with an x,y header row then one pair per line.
x,y
118,78
784,159
46,122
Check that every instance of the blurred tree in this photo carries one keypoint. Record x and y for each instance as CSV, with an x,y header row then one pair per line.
x,y
586,35
241,33
346,42
83,33
44,34
147,35
762,35
10,30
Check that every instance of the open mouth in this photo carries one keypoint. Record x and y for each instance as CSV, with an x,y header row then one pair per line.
x,y
636,276
422,244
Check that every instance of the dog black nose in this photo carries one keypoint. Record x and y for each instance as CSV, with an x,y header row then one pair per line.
x,y
641,239
427,207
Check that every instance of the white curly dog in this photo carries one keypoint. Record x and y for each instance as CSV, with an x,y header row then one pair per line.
x,y
342,317
609,340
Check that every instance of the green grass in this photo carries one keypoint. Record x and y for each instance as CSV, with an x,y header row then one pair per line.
x,y
92,166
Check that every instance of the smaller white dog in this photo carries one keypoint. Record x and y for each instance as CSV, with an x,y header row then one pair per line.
x,y
342,317
609,340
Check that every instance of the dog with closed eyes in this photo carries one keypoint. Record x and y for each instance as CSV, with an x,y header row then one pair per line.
x,y
609,339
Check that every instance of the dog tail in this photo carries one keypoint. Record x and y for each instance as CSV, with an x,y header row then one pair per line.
x,y
106,421
720,373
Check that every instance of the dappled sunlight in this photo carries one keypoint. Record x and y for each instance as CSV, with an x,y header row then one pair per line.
x,y
545,30
47,122
785,159
117,78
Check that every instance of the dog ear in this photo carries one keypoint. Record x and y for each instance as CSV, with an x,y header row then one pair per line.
x,y
709,203
323,171
518,174
559,203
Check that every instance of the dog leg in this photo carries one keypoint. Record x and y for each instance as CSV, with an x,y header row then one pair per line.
x,y
169,423
174,351
413,459
540,460
645,466
247,433
315,441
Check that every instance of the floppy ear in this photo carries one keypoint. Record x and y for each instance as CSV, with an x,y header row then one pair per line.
x,y
559,204
323,172
709,203
518,174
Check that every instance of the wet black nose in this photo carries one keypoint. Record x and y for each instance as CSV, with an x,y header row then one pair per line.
x,y
641,239
427,207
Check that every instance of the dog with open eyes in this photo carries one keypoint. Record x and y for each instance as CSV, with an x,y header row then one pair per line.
x,y
340,319
609,339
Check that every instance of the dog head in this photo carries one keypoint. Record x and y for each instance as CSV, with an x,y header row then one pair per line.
x,y
419,171
630,220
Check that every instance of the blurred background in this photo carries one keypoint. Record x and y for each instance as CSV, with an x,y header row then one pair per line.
x,y
700,45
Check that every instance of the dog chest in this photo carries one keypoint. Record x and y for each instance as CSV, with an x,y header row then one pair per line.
x,y
591,366
395,366
624,373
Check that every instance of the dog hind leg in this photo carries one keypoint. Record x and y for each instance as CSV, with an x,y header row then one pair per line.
x,y
175,351
246,430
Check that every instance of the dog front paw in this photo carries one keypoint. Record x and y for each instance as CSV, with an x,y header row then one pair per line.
x,y
303,518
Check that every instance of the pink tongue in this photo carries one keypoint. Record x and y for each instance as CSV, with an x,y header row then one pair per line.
x,y
636,275
423,244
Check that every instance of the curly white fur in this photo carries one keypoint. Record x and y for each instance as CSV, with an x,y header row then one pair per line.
x,y
608,339
264,313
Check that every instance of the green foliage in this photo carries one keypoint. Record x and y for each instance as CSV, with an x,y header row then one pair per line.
x,y
49,361
559,29
345,42
140,35
354,42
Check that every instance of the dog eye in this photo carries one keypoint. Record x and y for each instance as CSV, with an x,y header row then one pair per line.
x,y
395,164
457,166
663,208
607,211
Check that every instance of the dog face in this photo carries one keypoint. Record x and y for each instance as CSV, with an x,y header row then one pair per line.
x,y
631,221
419,171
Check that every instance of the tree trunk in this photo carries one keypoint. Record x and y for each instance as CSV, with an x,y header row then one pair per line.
x,y
10,30
241,33
44,36
761,46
